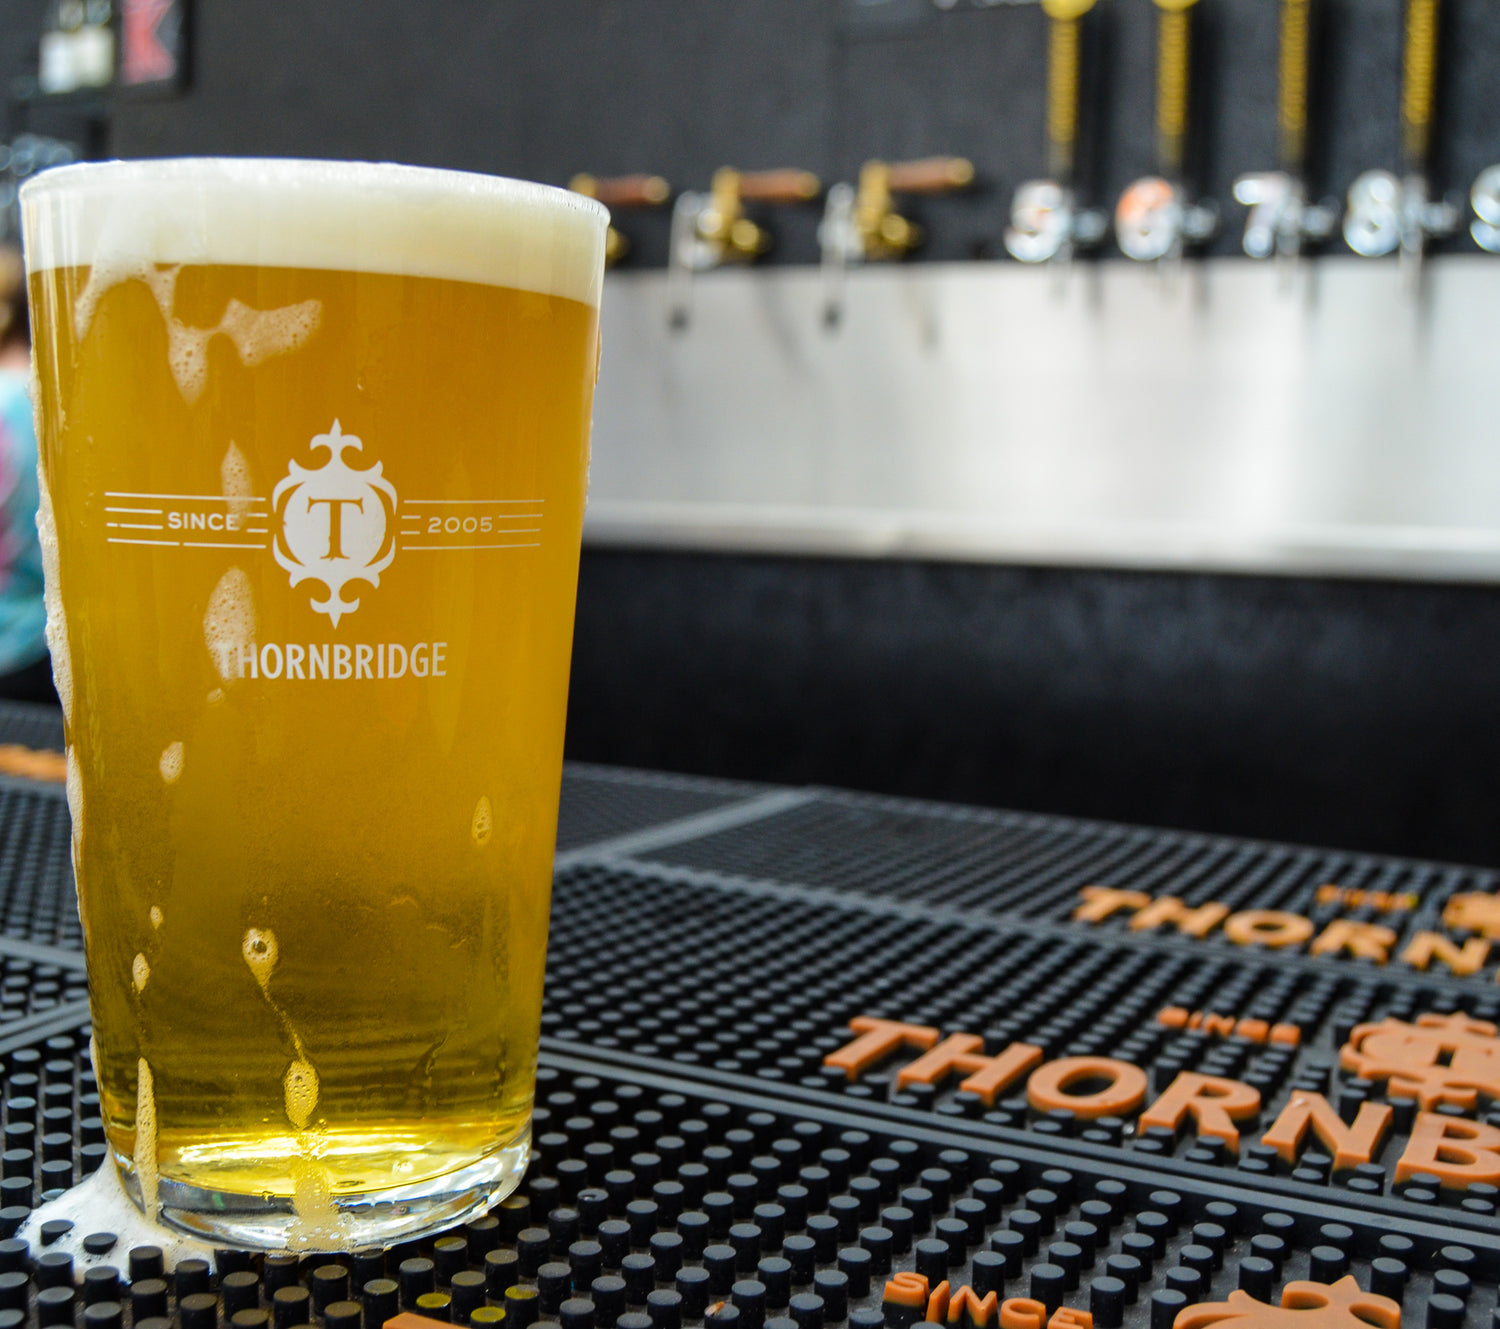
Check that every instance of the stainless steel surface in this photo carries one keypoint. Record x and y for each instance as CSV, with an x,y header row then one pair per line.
x,y
1224,419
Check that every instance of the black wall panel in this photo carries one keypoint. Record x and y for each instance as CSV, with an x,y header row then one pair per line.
x,y
1362,714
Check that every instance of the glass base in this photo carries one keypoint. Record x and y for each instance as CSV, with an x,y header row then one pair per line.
x,y
340,1222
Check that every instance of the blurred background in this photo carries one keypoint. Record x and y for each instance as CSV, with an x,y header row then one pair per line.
x,y
1087,406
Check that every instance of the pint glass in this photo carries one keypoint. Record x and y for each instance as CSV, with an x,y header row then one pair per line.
x,y
314,447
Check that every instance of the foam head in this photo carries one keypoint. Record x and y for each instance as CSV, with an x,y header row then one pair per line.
x,y
343,216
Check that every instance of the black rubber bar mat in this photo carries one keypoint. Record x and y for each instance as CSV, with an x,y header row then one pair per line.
x,y
814,1059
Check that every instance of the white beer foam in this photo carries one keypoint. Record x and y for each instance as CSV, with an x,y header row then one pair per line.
x,y
171,770
74,790
229,621
145,1140
300,1089
257,334
57,625
99,1204
339,216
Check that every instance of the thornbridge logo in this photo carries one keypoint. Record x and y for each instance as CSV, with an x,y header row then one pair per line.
x,y
334,524
331,525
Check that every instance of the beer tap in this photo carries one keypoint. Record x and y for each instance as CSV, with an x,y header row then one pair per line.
x,y
1156,218
1389,212
862,225
1485,199
617,192
711,229
1281,221
1045,222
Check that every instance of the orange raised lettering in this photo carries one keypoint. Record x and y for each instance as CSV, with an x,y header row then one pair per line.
x,y
1364,941
1351,1144
1099,902
877,1040
937,1303
906,1289
1344,1302
411,1320
1123,1089
1214,1103
1426,947
980,1310
986,1076
1272,928
1174,1017
1474,911
1194,922
1022,1313
1457,1150
1070,1317
1366,1307
1440,1059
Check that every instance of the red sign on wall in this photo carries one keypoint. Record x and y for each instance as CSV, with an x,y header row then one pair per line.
x,y
153,45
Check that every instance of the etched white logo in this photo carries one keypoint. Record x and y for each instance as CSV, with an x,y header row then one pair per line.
x,y
334,524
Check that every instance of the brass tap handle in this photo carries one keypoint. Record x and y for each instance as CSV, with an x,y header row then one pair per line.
x,y
1064,63
787,185
930,175
1418,83
1292,75
723,224
623,191
1173,71
883,232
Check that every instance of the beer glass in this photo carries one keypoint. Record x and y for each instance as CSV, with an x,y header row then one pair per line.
x,y
314,447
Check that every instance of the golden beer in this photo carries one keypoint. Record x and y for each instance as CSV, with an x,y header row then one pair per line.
x,y
314,446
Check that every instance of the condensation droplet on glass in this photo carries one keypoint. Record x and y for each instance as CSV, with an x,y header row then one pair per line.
x,y
483,824
229,622
300,1087
144,1153
74,790
171,762
261,953
234,472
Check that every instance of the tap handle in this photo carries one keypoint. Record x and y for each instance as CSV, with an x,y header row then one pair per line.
x,y
786,185
1418,83
1293,59
1173,70
1064,63
623,191
929,175
1484,197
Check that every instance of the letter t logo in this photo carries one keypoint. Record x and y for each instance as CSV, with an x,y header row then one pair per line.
x,y
336,521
